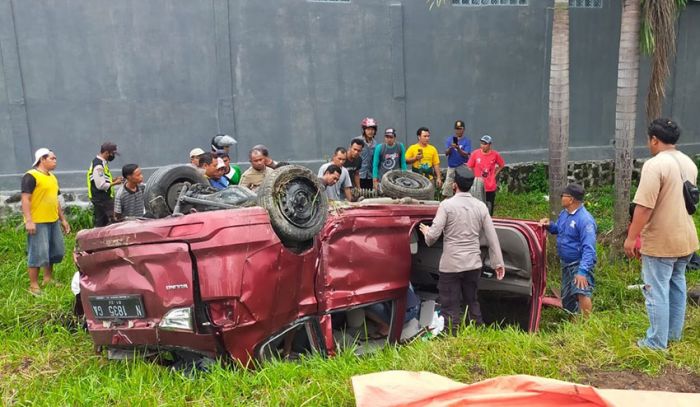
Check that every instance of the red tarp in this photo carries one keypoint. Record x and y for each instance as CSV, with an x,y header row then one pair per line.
x,y
401,388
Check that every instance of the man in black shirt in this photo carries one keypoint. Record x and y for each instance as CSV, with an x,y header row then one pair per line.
x,y
353,162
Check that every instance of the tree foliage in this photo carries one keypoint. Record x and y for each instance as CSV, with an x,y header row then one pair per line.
x,y
658,39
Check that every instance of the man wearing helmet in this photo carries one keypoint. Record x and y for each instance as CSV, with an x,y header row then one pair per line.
x,y
222,142
369,129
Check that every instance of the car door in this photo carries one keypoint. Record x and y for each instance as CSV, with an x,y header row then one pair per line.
x,y
365,258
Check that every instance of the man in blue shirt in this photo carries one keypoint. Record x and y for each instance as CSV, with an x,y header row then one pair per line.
x,y
457,148
576,235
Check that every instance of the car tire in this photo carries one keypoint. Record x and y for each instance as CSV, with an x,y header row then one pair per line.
x,y
406,184
477,190
164,186
295,202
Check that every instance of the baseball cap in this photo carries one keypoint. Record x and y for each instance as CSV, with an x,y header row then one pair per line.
x,y
390,132
110,147
487,139
459,124
575,190
220,163
38,154
196,152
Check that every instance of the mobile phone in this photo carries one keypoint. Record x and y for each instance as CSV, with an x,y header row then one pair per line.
x,y
420,151
454,140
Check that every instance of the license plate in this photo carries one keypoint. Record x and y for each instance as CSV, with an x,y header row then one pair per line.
x,y
117,307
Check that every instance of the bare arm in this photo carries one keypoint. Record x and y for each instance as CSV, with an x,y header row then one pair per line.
x,y
348,194
639,220
26,205
62,217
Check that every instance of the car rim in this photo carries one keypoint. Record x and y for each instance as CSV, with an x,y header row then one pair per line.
x,y
297,201
174,193
407,182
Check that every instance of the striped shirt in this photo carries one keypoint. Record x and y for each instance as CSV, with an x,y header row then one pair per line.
x,y
129,203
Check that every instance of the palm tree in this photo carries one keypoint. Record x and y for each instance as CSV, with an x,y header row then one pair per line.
x,y
655,22
558,104
626,114
658,32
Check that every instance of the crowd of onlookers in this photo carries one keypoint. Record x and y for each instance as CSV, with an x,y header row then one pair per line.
x,y
665,198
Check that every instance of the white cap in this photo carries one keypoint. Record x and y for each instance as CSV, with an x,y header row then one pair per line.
x,y
38,154
220,163
196,152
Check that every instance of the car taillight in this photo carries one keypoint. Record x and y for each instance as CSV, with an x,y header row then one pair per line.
x,y
178,319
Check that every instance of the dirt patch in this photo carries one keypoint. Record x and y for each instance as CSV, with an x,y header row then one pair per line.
x,y
671,379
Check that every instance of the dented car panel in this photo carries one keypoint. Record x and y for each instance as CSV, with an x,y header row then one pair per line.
x,y
365,258
243,286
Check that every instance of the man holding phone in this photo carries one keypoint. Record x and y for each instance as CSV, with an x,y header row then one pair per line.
x,y
457,148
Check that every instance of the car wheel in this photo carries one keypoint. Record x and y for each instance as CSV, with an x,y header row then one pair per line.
x,y
296,203
164,186
405,184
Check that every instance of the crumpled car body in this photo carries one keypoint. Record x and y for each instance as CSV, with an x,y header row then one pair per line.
x,y
222,284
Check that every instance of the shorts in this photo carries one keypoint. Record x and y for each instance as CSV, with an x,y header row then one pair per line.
x,y
46,245
569,291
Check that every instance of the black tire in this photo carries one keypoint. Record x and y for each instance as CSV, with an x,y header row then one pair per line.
x,y
477,190
163,188
296,203
406,184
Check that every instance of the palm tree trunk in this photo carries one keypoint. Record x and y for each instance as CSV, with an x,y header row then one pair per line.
x,y
558,105
625,116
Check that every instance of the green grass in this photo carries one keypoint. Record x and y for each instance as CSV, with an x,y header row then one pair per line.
x,y
43,363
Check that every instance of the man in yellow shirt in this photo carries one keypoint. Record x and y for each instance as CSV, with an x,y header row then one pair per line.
x,y
42,213
424,158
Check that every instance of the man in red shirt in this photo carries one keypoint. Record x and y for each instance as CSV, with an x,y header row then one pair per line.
x,y
486,164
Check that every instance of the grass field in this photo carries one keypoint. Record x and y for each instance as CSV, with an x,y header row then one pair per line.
x,y
43,362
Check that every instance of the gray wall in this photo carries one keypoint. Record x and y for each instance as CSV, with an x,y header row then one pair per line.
x,y
160,77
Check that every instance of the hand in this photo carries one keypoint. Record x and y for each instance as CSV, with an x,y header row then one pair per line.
x,y
544,222
581,281
419,156
500,272
375,184
630,248
117,181
66,226
438,182
424,229
30,227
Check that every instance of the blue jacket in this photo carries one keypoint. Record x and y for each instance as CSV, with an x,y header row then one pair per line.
x,y
576,238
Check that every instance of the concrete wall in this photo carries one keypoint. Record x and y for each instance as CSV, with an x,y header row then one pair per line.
x,y
160,77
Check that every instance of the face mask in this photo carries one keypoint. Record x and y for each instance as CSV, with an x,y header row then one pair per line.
x,y
110,157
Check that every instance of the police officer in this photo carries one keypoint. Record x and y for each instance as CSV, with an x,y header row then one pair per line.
x,y
100,185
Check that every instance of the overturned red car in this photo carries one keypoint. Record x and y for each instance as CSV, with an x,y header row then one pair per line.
x,y
233,283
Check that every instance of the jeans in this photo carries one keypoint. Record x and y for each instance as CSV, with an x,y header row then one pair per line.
x,y
665,297
45,247
447,184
